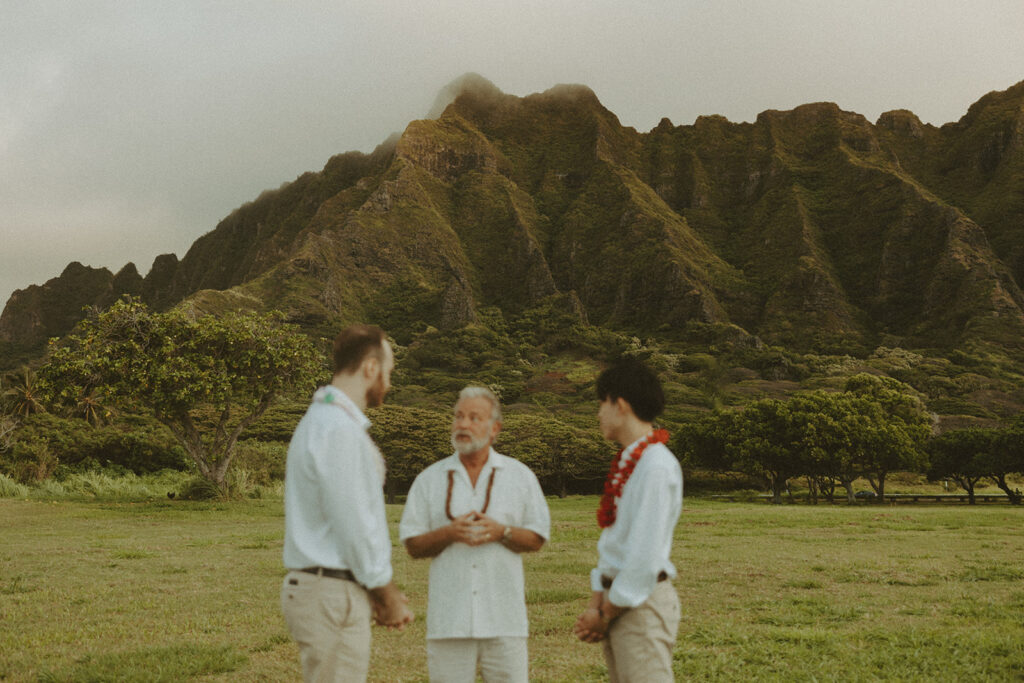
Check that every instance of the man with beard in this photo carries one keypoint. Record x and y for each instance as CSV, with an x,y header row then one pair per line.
x,y
634,608
336,544
474,513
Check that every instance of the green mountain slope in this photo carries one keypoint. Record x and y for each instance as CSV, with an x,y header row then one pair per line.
x,y
812,229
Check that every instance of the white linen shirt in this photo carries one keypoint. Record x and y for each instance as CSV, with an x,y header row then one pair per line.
x,y
476,592
334,514
636,548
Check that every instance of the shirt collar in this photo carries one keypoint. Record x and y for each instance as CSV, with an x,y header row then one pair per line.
x,y
332,395
494,459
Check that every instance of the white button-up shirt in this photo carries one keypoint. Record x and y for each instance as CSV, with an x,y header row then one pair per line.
x,y
333,493
476,592
636,548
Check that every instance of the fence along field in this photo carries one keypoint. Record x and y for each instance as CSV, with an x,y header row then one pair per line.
x,y
172,590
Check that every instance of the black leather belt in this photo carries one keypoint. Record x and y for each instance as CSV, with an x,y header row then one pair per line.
x,y
342,574
606,581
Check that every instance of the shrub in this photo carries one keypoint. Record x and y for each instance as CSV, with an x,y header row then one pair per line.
x,y
135,443
11,489
263,462
199,488
107,486
31,461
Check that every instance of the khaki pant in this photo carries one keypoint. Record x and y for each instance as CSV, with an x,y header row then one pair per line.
x,y
330,621
639,645
455,660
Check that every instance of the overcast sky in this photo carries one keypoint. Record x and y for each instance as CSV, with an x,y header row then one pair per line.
x,y
128,129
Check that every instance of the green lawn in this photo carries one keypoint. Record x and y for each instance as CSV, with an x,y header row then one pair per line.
x,y
93,591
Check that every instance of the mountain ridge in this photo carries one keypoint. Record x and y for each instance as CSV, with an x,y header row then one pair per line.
x,y
811,228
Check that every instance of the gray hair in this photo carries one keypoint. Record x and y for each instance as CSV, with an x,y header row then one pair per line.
x,y
482,392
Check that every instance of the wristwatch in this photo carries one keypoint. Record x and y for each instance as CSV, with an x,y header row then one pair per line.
x,y
506,534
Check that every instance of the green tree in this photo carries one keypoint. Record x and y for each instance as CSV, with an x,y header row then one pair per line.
x,y
765,440
206,378
828,437
1007,457
410,439
702,443
558,453
895,427
827,441
961,455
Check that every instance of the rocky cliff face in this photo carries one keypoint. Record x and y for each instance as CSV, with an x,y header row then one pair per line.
x,y
812,228
34,314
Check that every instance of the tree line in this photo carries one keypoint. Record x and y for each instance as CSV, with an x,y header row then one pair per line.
x,y
205,381
874,427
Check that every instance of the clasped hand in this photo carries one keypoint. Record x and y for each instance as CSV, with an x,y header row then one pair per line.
x,y
590,627
475,528
394,613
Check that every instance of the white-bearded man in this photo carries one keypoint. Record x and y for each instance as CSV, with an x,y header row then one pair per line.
x,y
474,512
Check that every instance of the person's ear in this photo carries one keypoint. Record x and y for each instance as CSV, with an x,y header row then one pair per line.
x,y
622,406
371,366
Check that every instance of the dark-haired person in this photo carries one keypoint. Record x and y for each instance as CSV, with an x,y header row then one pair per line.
x,y
634,608
474,513
336,544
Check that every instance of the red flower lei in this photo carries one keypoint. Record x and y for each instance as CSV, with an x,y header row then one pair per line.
x,y
617,477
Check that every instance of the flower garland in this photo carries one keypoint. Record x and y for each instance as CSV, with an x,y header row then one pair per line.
x,y
618,476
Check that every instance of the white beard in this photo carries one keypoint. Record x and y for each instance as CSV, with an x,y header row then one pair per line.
x,y
471,446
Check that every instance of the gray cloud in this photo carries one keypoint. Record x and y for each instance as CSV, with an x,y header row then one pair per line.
x,y
130,129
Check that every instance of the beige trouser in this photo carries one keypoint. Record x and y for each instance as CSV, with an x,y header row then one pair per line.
x,y
454,660
330,621
639,645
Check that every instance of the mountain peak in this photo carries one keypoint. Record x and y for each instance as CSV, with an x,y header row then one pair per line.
x,y
470,82
901,121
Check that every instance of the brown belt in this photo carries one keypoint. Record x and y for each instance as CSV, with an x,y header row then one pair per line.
x,y
606,581
343,574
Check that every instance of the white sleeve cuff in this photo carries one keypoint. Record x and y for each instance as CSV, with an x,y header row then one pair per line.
x,y
375,579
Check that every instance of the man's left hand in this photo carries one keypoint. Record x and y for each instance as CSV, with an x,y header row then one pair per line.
x,y
590,627
488,531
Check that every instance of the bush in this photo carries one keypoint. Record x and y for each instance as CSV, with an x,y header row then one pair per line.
x,y
107,486
198,488
137,444
30,461
278,423
12,489
263,462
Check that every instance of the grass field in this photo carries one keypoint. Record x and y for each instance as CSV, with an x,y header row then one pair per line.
x,y
167,591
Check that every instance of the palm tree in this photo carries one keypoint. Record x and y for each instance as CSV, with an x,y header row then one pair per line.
x,y
22,395
90,408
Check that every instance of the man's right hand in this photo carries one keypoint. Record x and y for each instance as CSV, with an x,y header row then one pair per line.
x,y
391,607
466,529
